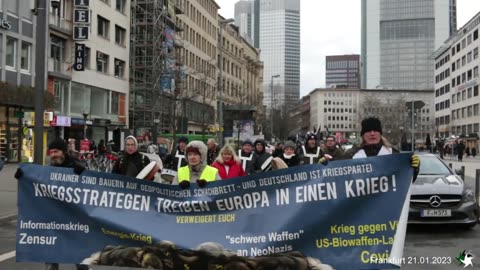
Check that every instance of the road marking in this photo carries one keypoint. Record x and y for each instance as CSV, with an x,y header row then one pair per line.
x,y
7,256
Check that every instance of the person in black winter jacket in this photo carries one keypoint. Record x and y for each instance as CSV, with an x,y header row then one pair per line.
x,y
247,157
289,156
262,159
131,163
177,158
59,158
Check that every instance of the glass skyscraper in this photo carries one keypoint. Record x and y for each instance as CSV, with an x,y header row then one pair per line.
x,y
279,38
398,39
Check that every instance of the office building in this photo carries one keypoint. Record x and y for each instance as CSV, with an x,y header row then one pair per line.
x,y
398,38
342,71
457,97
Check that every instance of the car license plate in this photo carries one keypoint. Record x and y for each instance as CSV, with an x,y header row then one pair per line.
x,y
436,213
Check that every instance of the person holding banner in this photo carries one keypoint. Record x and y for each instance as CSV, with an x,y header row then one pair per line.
x,y
60,158
247,157
372,143
228,163
197,170
131,162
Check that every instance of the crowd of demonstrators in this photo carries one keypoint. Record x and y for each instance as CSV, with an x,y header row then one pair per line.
x,y
177,158
197,170
228,163
213,150
131,162
247,157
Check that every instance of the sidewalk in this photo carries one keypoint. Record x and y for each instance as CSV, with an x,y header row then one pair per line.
x,y
471,164
8,193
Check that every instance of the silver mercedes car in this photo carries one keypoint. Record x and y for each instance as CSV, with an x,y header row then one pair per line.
x,y
439,196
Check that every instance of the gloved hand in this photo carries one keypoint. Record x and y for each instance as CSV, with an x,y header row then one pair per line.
x,y
184,184
18,173
201,182
78,169
323,161
415,161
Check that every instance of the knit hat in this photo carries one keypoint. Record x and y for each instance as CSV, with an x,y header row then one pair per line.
x,y
370,124
58,144
183,139
197,147
289,144
247,141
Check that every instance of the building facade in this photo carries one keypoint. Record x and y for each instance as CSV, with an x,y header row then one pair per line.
x,y
340,112
197,50
242,81
17,48
398,38
279,40
457,97
97,96
342,71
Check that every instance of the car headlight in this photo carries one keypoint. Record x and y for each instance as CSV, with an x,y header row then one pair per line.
x,y
468,195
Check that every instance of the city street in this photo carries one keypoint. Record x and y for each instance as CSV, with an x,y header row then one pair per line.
x,y
422,243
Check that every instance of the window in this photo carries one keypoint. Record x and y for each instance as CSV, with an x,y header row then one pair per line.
x,y
119,68
469,92
87,58
102,62
120,35
469,57
103,26
11,52
114,104
475,90
475,53
57,48
475,34
120,5
25,57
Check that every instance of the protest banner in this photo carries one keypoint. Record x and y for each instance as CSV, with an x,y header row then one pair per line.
x,y
347,215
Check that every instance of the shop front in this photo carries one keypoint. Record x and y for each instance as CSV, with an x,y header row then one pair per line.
x,y
10,133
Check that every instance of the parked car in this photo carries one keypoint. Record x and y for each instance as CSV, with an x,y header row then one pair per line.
x,y
439,196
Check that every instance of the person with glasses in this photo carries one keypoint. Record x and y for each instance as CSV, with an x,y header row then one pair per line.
x,y
131,163
332,149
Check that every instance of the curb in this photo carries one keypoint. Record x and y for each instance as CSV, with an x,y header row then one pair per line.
x,y
8,218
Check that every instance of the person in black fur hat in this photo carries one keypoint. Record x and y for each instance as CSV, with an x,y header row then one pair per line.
x,y
311,153
177,158
372,143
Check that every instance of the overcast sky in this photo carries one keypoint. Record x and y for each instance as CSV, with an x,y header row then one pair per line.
x,y
334,27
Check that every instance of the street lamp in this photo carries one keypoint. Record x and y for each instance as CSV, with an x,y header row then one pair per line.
x,y
415,104
85,114
220,79
271,104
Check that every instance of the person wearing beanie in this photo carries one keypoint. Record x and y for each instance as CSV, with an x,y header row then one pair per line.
x,y
311,152
372,143
131,163
247,157
60,158
196,170
228,163
263,159
177,158
288,156
213,150
332,149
